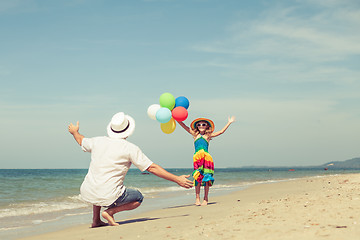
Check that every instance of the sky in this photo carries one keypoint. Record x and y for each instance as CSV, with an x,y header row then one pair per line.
x,y
287,70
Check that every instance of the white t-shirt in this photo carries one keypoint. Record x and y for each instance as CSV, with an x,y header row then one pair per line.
x,y
110,161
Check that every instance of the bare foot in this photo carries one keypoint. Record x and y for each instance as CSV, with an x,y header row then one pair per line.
x,y
98,224
204,203
197,203
109,217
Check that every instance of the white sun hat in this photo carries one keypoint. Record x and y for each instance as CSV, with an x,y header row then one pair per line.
x,y
121,126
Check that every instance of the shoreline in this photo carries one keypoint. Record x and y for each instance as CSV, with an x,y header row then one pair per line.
x,y
310,207
163,200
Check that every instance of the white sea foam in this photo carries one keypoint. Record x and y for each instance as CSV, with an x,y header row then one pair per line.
x,y
32,208
2,229
37,221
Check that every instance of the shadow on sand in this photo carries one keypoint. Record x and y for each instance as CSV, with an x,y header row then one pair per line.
x,y
189,205
145,219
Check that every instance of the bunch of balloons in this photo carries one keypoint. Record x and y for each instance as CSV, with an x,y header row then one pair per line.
x,y
169,111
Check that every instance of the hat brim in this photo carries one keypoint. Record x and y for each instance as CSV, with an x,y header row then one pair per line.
x,y
124,134
193,123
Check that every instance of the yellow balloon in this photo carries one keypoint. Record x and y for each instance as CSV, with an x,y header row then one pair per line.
x,y
168,127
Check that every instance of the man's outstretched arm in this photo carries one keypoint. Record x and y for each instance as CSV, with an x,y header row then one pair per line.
x,y
180,180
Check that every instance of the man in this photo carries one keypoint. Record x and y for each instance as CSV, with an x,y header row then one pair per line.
x,y
111,158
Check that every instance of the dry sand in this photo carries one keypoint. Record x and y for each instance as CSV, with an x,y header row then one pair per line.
x,y
308,208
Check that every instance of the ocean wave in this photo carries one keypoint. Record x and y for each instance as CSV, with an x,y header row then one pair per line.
x,y
2,229
32,208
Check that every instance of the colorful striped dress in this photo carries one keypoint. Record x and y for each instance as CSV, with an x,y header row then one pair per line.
x,y
203,163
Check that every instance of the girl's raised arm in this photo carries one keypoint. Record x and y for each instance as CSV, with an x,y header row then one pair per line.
x,y
230,121
189,130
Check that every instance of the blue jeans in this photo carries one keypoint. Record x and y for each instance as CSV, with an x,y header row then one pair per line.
x,y
129,196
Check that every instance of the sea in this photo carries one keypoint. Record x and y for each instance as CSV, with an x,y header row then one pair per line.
x,y
36,201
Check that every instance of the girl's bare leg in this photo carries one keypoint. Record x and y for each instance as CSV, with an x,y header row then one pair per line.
x,y
109,213
197,194
96,217
206,194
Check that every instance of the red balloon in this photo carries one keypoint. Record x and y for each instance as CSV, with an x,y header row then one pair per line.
x,y
179,113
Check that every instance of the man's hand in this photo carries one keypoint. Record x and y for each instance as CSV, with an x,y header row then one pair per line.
x,y
73,129
184,182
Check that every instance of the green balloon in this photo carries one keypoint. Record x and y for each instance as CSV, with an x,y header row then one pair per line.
x,y
167,100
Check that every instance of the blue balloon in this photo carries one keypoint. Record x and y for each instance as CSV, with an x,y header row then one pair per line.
x,y
163,115
182,102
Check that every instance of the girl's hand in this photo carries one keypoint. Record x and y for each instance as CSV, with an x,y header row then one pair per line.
x,y
231,119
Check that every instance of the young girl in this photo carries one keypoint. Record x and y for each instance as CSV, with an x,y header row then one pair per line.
x,y
202,130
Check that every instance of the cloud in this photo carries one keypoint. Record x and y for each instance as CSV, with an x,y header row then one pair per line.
x,y
308,41
303,37
329,32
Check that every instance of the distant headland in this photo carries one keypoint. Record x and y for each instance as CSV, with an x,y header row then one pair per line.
x,y
353,163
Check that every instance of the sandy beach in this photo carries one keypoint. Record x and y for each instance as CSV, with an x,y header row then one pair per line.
x,y
308,208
